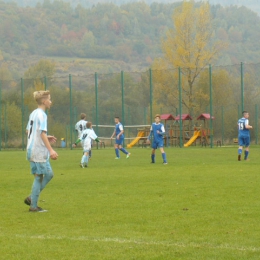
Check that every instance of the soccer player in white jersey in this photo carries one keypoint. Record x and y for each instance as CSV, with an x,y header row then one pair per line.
x,y
39,149
81,124
86,137
243,135
158,132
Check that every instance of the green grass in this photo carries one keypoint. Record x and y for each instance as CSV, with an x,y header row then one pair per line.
x,y
203,205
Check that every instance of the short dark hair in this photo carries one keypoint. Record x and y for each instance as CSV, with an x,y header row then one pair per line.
x,y
244,112
117,117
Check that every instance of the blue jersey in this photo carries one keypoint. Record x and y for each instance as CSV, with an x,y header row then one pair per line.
x,y
158,137
242,130
118,129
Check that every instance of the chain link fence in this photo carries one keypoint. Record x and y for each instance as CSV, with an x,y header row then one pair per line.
x,y
220,93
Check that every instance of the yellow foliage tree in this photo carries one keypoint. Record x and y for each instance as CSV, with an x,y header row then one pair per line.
x,y
188,45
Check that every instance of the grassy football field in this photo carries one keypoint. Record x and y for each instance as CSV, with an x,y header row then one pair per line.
x,y
203,205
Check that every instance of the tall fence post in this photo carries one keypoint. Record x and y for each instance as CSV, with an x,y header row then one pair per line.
x,y
222,129
242,87
5,125
180,107
151,96
256,124
75,111
0,115
22,99
145,115
210,106
123,96
239,113
45,88
71,112
96,95
45,83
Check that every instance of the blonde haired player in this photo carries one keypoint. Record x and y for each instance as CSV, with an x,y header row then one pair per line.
x,y
39,149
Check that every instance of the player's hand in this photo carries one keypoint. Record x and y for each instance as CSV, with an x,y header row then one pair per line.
x,y
148,141
74,146
117,137
52,139
158,132
53,155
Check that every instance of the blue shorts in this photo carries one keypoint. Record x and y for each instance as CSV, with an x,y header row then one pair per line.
x,y
120,141
157,144
41,168
244,141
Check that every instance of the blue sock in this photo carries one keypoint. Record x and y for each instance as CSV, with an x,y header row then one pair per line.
x,y
36,189
153,158
85,159
164,157
123,150
89,153
239,151
117,152
246,154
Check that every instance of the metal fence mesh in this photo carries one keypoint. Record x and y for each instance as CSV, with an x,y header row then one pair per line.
x,y
136,97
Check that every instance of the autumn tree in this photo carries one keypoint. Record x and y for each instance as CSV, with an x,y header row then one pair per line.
x,y
189,45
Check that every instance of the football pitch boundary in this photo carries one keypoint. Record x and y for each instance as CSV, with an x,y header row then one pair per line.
x,y
133,241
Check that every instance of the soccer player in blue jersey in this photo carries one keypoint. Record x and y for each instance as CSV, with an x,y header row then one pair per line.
x,y
39,149
158,132
119,132
243,135
86,137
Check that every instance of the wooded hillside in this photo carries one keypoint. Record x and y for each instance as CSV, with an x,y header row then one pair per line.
x,y
131,32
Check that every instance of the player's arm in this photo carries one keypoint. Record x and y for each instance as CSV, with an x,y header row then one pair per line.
x,y
150,135
162,132
113,134
94,137
247,126
52,139
121,131
80,139
75,144
45,140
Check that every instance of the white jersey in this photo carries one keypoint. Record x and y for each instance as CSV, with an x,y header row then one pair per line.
x,y
36,149
86,137
81,126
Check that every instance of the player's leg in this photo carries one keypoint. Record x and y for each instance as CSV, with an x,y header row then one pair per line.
x,y
89,153
36,189
122,149
85,158
163,153
154,147
28,200
38,170
247,143
82,160
240,147
116,149
47,176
